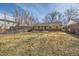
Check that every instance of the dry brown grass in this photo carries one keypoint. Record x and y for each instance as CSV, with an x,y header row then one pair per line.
x,y
44,44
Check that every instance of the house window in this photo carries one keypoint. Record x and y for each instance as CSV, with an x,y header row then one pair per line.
x,y
38,27
56,27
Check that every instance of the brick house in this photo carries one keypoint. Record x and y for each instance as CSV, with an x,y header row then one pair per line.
x,y
54,26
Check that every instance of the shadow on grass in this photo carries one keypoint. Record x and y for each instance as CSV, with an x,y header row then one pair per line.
x,y
73,34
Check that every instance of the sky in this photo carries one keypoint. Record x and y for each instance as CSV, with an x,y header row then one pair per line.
x,y
38,10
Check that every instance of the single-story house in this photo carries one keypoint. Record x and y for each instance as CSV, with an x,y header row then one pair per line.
x,y
54,26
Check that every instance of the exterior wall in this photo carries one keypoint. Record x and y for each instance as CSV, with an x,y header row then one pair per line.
x,y
73,28
47,27
6,25
20,29
2,30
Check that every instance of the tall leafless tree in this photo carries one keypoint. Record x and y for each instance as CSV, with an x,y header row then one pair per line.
x,y
53,16
16,16
25,14
71,14
5,18
24,17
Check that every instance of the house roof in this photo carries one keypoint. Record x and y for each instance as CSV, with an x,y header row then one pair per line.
x,y
73,21
7,20
44,24
76,20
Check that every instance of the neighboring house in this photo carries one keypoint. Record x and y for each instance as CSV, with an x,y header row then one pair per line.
x,y
6,24
6,21
73,26
2,30
54,26
20,28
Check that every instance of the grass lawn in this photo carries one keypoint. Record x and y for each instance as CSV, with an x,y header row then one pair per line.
x,y
39,44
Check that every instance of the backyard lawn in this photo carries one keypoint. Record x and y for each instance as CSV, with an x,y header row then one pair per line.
x,y
39,44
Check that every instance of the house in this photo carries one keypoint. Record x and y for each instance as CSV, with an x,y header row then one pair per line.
x,y
2,30
54,26
20,28
73,26
5,24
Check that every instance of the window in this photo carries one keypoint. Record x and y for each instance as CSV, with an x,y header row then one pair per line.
x,y
56,27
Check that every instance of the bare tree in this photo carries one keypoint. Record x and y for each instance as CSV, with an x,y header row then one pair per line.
x,y
25,15
28,19
5,18
47,19
31,20
53,16
71,14
16,15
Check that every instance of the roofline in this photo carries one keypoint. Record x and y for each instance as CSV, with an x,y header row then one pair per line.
x,y
7,21
75,20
